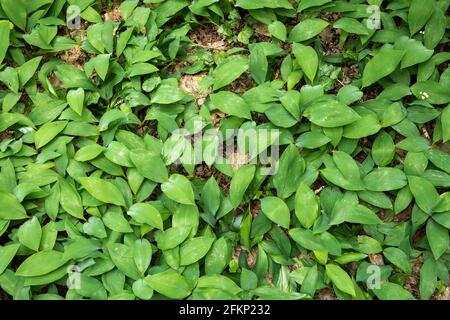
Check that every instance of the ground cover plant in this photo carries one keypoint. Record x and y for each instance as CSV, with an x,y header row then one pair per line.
x,y
103,194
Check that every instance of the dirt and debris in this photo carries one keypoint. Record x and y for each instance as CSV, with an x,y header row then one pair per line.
x,y
255,207
372,92
75,56
261,33
412,281
405,215
203,171
249,256
442,296
325,294
207,36
8,134
376,259
191,85
242,84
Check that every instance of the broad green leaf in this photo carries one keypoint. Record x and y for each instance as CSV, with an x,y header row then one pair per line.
x,y
232,104
11,209
381,65
40,263
424,192
330,114
438,238
179,189
30,233
398,258
194,249
418,14
47,132
385,179
146,213
170,284
307,29
7,253
307,59
102,190
239,183
392,291
276,210
229,70
306,206
340,279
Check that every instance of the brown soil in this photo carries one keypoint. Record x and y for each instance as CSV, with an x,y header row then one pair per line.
x,y
405,215
8,134
372,92
202,171
191,85
412,281
75,56
261,33
255,207
206,36
325,294
242,84
376,259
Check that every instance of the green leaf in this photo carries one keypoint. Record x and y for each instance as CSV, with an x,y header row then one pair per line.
x,y
340,279
4,44
11,209
392,291
351,25
232,104
276,210
239,184
424,192
385,179
123,258
398,258
47,132
307,29
229,70
418,15
146,213
211,196
7,253
170,284
40,263
428,278
330,114
438,238
70,199
30,234
307,59
381,65
276,29
218,257
172,237
75,99
142,253
149,164
194,249
258,64
383,149
102,190
16,12
179,189
306,206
